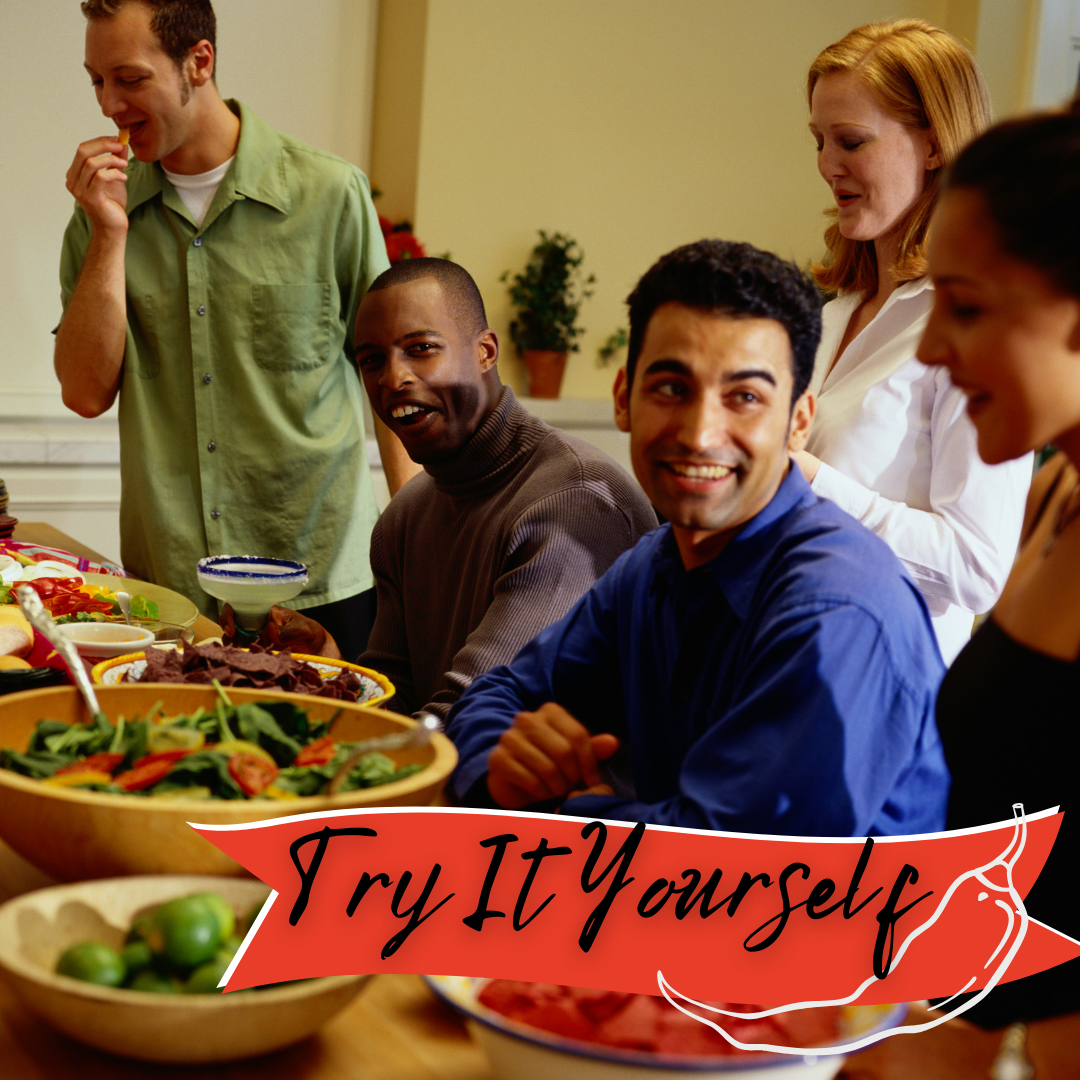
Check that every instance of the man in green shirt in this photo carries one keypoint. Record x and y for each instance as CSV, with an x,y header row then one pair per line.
x,y
213,284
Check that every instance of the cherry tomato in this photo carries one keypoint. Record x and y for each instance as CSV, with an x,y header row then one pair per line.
x,y
252,773
93,763
143,776
317,753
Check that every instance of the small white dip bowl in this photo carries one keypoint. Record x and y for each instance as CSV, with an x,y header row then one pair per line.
x,y
104,640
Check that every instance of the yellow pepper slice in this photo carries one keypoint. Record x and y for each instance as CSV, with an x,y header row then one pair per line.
x,y
242,746
78,779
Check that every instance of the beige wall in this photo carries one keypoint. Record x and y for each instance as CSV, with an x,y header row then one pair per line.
x,y
634,126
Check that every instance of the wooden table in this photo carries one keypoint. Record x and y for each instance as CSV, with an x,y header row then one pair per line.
x,y
38,532
394,1030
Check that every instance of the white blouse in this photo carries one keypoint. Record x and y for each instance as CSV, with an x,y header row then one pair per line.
x,y
899,453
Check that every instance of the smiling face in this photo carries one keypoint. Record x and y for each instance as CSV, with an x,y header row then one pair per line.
x,y
138,85
1009,338
429,381
875,166
709,416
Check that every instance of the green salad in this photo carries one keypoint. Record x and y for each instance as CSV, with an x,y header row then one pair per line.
x,y
269,750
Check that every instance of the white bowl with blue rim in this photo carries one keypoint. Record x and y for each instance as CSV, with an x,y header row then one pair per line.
x,y
252,585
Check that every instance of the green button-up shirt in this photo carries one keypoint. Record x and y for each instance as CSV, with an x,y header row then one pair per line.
x,y
241,429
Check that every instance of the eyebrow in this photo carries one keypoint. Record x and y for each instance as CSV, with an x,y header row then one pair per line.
x,y
411,335
677,367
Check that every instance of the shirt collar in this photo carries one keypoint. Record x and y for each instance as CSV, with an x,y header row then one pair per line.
x,y
257,172
737,569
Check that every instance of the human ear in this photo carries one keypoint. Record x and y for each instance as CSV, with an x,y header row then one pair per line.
x,y
934,157
200,63
622,401
487,348
802,419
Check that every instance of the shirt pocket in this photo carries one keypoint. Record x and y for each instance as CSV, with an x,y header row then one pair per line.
x,y
292,326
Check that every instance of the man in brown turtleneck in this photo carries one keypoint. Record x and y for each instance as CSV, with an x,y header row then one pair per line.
x,y
510,522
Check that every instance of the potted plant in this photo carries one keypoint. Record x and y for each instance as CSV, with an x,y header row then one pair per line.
x,y
546,297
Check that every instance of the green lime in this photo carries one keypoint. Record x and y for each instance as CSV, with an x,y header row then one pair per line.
x,y
185,931
94,963
205,979
229,946
136,956
226,917
152,982
139,929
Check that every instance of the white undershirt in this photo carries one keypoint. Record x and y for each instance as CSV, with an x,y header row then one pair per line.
x,y
198,191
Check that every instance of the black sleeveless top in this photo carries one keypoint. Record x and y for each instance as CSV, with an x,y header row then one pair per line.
x,y
1009,719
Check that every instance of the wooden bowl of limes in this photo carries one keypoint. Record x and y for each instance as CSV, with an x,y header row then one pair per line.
x,y
36,929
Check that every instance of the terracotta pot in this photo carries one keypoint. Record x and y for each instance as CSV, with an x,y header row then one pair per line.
x,y
546,367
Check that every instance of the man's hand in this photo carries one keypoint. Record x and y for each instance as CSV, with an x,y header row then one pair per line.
x,y
97,179
545,755
285,629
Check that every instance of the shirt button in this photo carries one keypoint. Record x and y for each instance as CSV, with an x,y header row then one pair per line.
x,y
197,241
201,309
215,514
211,446
208,378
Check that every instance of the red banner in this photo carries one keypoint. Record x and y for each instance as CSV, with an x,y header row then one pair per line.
x,y
733,917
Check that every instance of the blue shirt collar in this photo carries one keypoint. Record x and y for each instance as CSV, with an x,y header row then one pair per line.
x,y
738,568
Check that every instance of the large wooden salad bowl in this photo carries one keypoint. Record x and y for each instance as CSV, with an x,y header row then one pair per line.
x,y
74,835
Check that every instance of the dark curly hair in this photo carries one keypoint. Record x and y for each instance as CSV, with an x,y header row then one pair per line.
x,y
734,280
1028,174
179,24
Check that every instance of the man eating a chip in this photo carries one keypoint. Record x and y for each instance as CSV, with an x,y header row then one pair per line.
x,y
211,282
763,658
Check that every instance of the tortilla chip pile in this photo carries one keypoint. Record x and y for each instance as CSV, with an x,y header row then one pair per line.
x,y
259,668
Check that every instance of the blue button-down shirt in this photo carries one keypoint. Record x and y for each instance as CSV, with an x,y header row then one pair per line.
x,y
786,687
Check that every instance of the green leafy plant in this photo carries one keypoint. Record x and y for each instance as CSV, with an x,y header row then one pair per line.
x,y
614,344
547,296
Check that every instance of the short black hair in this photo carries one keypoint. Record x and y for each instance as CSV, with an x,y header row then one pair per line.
x,y
463,298
1028,174
737,280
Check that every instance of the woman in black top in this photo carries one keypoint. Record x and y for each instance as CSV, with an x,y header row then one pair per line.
x,y
1005,262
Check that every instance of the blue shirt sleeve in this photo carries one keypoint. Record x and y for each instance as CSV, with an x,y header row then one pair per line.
x,y
574,662
824,737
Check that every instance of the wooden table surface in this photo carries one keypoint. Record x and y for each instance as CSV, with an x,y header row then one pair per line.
x,y
396,1029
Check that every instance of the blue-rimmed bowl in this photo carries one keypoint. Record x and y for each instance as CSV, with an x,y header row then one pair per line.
x,y
520,1052
251,584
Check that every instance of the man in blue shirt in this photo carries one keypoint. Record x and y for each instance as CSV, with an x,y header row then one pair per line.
x,y
762,659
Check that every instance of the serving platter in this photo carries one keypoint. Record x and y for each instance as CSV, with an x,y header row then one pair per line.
x,y
128,669
172,607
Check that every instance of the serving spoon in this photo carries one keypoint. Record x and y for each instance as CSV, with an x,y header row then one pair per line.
x,y
42,622
124,601
427,725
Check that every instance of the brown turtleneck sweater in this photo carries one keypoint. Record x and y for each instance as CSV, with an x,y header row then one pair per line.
x,y
476,555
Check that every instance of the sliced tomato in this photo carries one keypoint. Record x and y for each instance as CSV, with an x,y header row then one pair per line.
x,y
171,756
252,773
93,763
143,776
318,752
